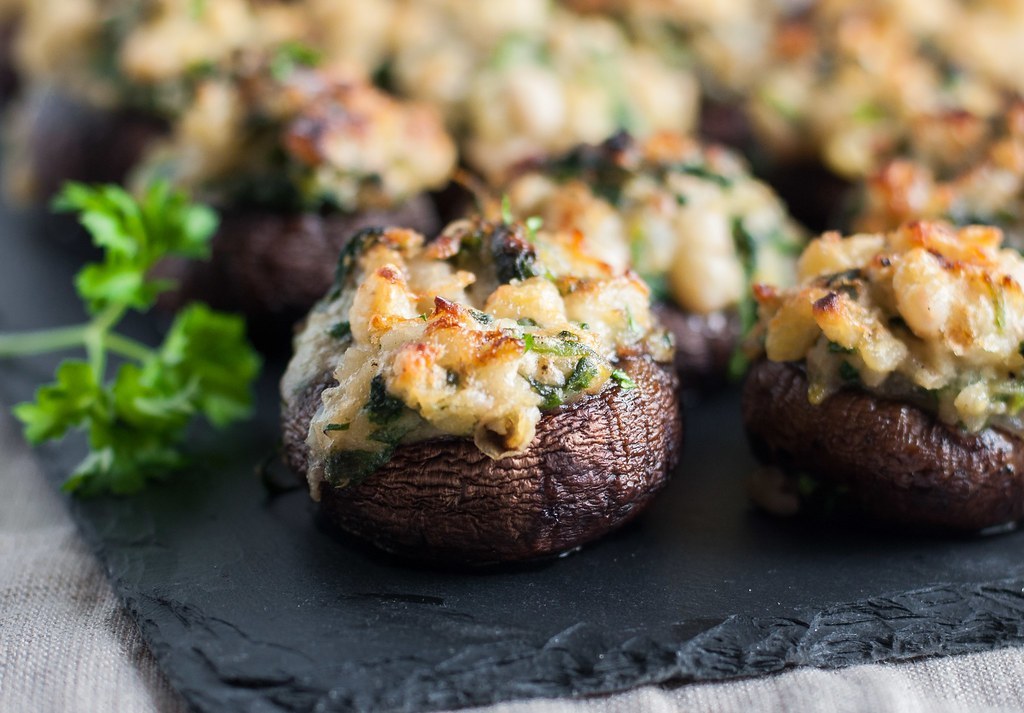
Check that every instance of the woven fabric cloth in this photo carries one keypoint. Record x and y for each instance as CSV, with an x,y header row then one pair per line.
x,y
67,645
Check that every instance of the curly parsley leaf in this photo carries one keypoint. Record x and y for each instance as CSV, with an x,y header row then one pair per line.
x,y
136,422
206,352
59,406
134,235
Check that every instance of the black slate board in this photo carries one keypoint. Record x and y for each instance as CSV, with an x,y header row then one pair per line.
x,y
250,605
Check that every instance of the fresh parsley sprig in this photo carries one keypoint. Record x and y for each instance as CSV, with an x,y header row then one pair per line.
x,y
136,421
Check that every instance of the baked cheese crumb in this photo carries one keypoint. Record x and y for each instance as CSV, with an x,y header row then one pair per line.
x,y
927,313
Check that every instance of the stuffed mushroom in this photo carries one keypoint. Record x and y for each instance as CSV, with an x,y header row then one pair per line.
x,y
497,394
848,80
105,78
688,217
297,162
893,373
845,87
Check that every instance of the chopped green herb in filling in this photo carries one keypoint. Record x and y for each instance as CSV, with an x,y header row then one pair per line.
x,y
382,408
622,379
341,330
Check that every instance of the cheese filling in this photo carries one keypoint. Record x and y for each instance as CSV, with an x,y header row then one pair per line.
x,y
127,52
303,139
689,218
474,335
850,80
980,178
926,314
526,79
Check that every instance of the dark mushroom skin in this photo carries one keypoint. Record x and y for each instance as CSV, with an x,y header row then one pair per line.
x,y
899,463
814,195
704,344
726,122
593,466
271,264
8,70
66,140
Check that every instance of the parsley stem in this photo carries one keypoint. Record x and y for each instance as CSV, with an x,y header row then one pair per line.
x,y
40,342
96,337
127,347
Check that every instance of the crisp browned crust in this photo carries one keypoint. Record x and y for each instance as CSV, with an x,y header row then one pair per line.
x,y
65,140
279,264
900,464
593,467
704,344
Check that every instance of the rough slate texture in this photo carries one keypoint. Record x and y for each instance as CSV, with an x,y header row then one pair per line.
x,y
251,605
582,661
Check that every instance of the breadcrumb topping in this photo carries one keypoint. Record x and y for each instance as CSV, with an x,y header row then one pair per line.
x,y
690,218
927,313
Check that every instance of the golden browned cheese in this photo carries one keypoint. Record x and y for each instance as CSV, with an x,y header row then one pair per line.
x,y
473,335
345,143
690,218
926,313
972,171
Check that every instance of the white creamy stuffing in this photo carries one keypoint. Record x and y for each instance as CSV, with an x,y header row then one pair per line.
x,y
474,335
328,136
685,216
926,313
520,80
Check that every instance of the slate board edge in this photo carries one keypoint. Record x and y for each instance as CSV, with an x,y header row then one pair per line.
x,y
942,620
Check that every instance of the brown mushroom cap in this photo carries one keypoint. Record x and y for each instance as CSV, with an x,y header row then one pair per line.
x,y
704,343
593,466
899,463
816,197
266,263
62,139
726,121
